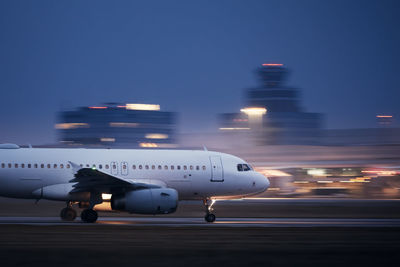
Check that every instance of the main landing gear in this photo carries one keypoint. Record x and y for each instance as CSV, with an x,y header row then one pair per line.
x,y
68,213
209,216
89,216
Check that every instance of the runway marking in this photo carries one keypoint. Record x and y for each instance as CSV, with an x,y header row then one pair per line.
x,y
199,222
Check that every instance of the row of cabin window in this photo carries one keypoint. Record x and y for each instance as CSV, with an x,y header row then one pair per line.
x,y
140,167
153,167
16,165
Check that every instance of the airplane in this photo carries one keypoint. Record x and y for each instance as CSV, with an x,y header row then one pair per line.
x,y
142,181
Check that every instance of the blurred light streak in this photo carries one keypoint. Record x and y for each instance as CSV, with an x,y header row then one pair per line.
x,y
234,128
384,116
142,107
254,111
273,173
107,139
148,145
98,107
156,136
272,65
71,125
124,124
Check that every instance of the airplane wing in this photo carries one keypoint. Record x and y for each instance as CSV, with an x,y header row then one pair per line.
x,y
94,180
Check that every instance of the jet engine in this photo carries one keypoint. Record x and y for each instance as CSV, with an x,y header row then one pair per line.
x,y
147,201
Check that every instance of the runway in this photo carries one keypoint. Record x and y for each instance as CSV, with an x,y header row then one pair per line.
x,y
199,222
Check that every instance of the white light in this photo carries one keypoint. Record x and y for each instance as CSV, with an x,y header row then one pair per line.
x,y
316,172
254,111
142,107
106,196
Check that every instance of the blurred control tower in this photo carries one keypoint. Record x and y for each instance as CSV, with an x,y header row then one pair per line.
x,y
284,121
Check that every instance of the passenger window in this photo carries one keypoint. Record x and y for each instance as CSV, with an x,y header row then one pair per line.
x,y
68,166
197,168
42,166
147,167
185,167
35,165
178,167
48,166
172,167
16,165
204,168
22,165
100,166
191,167
124,166
140,167
166,167
9,165
107,166
94,166
153,167
81,165
87,166
114,166
3,165
29,165
55,166
134,167
159,167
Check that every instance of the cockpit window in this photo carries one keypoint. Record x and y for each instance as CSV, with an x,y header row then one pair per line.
x,y
243,167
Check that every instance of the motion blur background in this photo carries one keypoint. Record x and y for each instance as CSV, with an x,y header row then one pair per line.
x,y
306,91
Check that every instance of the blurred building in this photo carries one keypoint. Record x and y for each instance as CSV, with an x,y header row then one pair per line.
x,y
286,122
117,125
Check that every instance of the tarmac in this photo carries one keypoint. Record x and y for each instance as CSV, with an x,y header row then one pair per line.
x,y
199,222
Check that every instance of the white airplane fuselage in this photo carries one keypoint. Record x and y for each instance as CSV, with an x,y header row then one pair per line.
x,y
193,174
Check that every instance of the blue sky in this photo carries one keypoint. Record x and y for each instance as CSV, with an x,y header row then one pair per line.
x,y
194,57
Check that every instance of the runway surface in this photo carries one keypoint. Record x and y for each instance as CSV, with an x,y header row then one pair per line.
x,y
199,222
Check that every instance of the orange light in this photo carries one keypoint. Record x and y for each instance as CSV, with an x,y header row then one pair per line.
x,y
98,107
121,106
272,65
384,116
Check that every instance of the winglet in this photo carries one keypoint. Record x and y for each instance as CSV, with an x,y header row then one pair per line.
x,y
75,167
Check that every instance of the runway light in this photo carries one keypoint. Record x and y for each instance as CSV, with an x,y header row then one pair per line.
x,y
254,111
142,107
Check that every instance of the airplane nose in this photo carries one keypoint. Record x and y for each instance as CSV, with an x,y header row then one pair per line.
x,y
262,182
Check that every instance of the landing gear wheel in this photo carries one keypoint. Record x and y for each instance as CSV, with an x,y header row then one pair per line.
x,y
89,216
209,217
68,214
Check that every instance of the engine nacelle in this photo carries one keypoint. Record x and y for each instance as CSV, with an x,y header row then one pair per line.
x,y
147,201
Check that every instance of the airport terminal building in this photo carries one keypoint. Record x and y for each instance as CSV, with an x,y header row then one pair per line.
x,y
117,125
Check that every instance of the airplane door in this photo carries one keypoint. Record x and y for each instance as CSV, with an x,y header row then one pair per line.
x,y
124,168
114,168
217,172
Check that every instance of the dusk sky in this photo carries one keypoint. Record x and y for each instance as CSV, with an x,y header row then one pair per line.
x,y
194,57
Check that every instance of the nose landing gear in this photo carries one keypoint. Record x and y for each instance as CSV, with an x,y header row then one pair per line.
x,y
209,216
